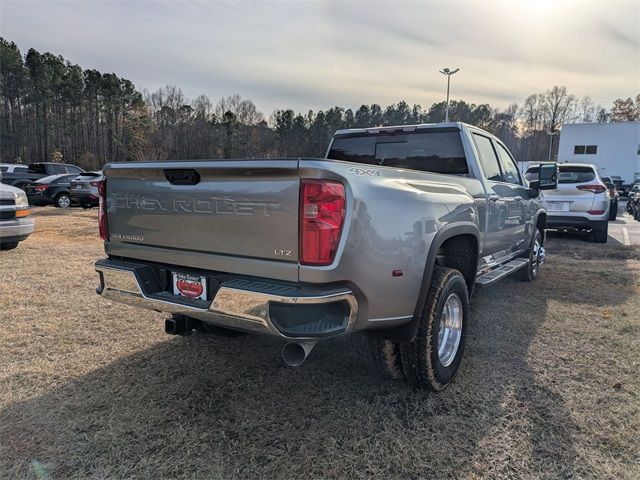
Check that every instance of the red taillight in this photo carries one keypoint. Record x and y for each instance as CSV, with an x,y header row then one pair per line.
x,y
41,188
322,205
103,227
95,184
593,188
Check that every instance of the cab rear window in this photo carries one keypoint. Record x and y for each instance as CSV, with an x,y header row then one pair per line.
x,y
435,152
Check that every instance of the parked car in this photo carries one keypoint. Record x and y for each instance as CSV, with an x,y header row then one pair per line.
x,y
613,197
13,168
16,223
36,171
633,202
580,203
619,183
388,234
84,189
52,190
631,198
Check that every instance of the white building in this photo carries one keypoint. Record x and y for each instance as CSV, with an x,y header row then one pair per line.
x,y
613,147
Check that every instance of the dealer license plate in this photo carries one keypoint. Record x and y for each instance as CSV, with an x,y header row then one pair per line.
x,y
191,286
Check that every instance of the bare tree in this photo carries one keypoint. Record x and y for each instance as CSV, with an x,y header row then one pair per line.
x,y
560,107
586,110
244,111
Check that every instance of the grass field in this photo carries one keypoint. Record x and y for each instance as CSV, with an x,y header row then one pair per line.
x,y
550,386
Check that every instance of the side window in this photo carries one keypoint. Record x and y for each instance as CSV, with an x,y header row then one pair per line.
x,y
74,169
509,169
56,169
4,169
488,158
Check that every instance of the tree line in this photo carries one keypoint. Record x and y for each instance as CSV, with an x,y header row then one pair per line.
x,y
54,110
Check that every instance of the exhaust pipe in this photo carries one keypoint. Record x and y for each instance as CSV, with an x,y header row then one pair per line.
x,y
295,353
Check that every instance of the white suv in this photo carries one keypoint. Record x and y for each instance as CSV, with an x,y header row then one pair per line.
x,y
581,201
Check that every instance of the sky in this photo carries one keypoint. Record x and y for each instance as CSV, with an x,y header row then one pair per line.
x,y
317,54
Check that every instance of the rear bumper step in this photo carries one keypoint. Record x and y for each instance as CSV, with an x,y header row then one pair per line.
x,y
242,304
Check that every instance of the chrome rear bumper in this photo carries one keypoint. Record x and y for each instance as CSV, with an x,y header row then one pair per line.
x,y
239,304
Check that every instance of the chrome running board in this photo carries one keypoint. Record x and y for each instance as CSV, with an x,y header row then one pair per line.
x,y
502,271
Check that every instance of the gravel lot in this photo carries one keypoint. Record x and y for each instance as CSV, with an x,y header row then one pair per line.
x,y
550,387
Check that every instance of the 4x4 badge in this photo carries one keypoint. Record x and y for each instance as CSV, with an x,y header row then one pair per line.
x,y
371,172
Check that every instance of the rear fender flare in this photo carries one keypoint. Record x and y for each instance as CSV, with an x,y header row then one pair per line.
x,y
407,332
535,224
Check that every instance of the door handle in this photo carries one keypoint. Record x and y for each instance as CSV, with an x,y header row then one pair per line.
x,y
494,197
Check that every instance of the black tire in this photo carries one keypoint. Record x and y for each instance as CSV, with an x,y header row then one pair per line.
x,y
421,362
532,270
600,232
613,212
8,245
85,205
62,200
636,214
220,331
385,356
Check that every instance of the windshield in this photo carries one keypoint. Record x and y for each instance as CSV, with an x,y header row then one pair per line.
x,y
48,179
435,152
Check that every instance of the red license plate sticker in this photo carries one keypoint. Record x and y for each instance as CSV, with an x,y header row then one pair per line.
x,y
192,286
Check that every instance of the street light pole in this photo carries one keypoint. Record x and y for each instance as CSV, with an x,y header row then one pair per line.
x,y
448,73
551,134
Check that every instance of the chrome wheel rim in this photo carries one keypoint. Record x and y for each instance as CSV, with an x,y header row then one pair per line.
x,y
64,201
450,331
535,257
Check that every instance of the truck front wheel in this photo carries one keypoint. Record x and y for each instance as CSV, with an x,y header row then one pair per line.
x,y
530,272
432,359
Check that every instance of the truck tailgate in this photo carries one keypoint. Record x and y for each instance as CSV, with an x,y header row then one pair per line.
x,y
243,208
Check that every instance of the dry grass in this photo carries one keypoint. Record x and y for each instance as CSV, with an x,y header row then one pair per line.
x,y
549,388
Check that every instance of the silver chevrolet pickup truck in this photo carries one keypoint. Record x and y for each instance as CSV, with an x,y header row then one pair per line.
x,y
388,234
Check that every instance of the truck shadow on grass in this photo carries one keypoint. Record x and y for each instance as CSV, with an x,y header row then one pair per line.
x,y
204,406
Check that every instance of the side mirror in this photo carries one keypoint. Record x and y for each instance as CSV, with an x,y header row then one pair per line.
x,y
534,189
548,176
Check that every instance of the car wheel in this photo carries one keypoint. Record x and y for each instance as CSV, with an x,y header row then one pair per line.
x,y
613,212
600,232
63,200
385,356
8,245
536,258
433,358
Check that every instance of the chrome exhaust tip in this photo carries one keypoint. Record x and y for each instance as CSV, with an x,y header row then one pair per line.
x,y
295,353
